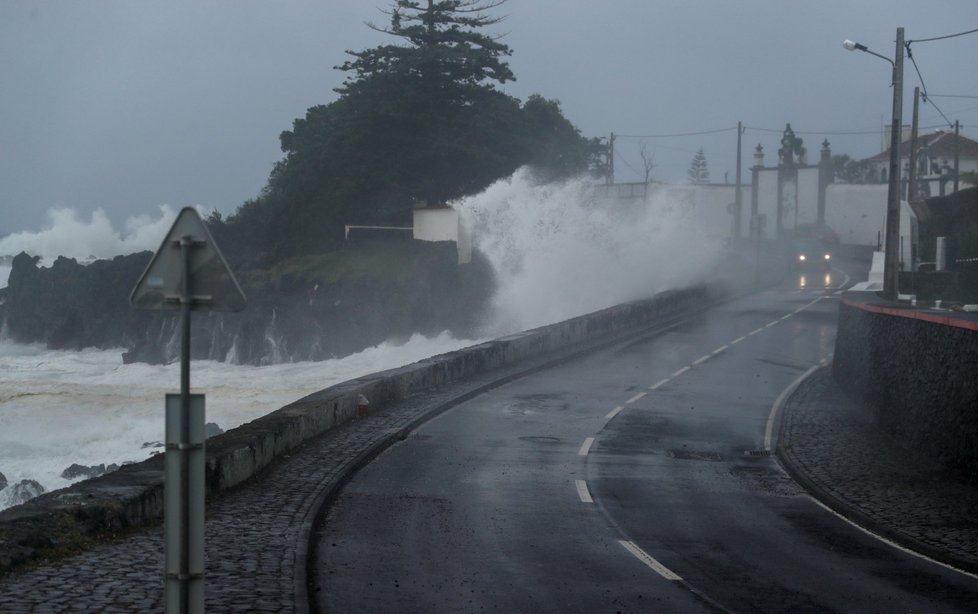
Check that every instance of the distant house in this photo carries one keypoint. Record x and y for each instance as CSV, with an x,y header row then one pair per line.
x,y
934,160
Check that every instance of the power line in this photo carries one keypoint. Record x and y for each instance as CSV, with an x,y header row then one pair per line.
x,y
951,96
923,86
678,134
938,38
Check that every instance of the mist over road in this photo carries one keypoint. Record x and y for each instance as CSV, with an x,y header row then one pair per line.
x,y
634,479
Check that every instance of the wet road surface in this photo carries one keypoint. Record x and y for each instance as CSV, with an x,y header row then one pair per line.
x,y
635,479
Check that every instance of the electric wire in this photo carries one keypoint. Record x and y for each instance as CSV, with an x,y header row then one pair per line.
x,y
678,134
923,86
939,38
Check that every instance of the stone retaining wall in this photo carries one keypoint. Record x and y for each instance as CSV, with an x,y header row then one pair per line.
x,y
75,517
917,371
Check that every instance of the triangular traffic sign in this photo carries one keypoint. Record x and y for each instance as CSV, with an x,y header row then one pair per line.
x,y
212,285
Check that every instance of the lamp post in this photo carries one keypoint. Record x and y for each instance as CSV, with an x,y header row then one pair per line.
x,y
892,231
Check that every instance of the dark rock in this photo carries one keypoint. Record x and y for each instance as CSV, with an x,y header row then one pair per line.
x,y
211,429
3,481
85,471
316,308
24,491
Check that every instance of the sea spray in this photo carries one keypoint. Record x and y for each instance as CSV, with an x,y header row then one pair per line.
x,y
562,250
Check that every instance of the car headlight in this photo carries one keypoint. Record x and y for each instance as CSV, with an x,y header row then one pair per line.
x,y
828,256
801,257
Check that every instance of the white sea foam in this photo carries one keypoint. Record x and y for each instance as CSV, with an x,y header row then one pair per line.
x,y
59,408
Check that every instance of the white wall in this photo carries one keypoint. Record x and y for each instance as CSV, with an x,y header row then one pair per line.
x,y
443,225
856,212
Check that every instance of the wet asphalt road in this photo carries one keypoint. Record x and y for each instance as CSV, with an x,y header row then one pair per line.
x,y
632,480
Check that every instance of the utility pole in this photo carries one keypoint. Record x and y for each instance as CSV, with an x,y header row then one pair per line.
x,y
912,171
610,179
957,152
738,204
891,271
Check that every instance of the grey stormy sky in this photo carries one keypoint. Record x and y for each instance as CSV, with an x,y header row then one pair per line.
x,y
126,106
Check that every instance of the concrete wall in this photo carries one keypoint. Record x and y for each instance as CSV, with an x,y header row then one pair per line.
x,y
133,495
443,224
856,212
915,371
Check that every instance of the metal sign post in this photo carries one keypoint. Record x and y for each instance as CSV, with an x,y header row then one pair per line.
x,y
187,265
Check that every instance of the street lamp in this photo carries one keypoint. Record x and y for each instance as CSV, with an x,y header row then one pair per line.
x,y
892,231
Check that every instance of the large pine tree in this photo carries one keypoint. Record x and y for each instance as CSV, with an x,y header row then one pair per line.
x,y
419,121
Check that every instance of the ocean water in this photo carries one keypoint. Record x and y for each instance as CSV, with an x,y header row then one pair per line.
x,y
86,407
557,251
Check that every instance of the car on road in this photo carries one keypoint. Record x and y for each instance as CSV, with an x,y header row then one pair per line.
x,y
810,253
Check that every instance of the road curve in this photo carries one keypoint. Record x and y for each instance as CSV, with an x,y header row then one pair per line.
x,y
637,478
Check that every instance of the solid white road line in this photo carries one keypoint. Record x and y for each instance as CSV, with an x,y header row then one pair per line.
x,y
702,359
635,398
681,371
888,542
655,565
582,492
770,324
585,447
719,349
614,412
778,402
658,384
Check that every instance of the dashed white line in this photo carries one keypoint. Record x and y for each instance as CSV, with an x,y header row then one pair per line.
x,y
770,324
702,359
635,398
738,340
787,316
754,332
653,564
585,447
681,371
614,412
661,382
582,492
719,349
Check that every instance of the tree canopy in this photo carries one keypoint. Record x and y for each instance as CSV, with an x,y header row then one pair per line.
x,y
698,170
419,122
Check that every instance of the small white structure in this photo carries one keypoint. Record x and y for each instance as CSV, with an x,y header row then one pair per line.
x,y
443,224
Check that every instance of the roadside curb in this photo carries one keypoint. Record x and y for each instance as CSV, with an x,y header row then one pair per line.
x,y
795,467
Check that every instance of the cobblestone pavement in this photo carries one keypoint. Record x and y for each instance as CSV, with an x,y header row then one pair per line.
x,y
256,534
831,445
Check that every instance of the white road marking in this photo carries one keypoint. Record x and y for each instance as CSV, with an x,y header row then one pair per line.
x,y
702,359
653,564
582,492
738,340
658,384
585,447
778,402
770,324
787,316
635,398
840,291
681,371
888,542
719,349
754,332
614,412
